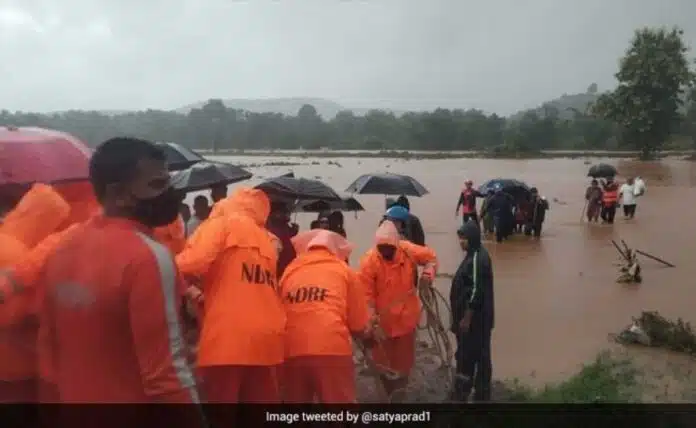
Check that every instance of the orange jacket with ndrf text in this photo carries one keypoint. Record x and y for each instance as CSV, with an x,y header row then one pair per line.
x,y
38,214
235,258
323,298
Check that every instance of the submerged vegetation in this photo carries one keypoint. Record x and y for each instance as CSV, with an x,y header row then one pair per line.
x,y
652,329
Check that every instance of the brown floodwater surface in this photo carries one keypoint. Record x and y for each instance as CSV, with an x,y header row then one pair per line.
x,y
556,299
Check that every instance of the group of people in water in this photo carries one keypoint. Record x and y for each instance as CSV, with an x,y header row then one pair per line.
x,y
503,213
141,300
604,196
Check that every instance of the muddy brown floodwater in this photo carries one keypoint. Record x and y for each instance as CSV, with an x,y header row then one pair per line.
x,y
556,299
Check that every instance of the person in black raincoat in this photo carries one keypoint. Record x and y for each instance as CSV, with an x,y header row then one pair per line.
x,y
473,317
537,213
501,205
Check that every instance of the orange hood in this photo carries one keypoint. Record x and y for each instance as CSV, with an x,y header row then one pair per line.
x,y
38,214
387,234
335,243
244,202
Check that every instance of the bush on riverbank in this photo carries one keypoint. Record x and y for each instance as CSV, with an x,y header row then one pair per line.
x,y
660,332
607,379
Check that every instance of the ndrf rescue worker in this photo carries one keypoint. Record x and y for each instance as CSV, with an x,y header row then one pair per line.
x,y
388,273
40,213
234,258
111,327
325,307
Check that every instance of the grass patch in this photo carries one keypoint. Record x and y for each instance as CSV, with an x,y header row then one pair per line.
x,y
606,380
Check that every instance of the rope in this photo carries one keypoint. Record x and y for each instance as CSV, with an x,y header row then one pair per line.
x,y
438,334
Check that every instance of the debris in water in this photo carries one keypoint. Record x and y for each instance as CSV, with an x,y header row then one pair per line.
x,y
652,329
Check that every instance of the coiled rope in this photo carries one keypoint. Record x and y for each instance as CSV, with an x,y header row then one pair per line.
x,y
439,338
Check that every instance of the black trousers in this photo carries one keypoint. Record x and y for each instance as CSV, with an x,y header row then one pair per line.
x,y
470,217
608,213
504,226
474,368
533,228
629,210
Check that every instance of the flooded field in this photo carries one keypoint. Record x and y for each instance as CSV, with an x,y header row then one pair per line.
x,y
556,299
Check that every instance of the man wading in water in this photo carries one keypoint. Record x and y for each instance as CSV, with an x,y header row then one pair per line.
x,y
471,300
593,196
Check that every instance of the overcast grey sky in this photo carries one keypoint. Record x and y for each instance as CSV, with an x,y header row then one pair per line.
x,y
498,55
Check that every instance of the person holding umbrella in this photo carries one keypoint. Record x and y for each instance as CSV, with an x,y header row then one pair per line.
x,y
610,200
218,192
412,227
279,224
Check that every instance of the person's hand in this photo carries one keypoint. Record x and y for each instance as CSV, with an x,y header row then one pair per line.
x,y
425,280
294,228
376,331
195,295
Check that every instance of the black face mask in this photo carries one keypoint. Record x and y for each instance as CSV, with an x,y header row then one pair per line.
x,y
387,251
160,210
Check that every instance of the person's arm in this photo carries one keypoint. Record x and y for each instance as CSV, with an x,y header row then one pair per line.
x,y
154,305
588,193
358,316
423,256
417,233
367,276
203,247
474,299
460,202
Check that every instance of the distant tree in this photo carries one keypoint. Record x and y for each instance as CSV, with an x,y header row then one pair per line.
x,y
653,76
592,89
689,124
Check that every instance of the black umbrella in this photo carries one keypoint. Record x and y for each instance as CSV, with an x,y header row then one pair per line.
x,y
602,170
387,184
286,188
179,157
511,186
204,175
347,203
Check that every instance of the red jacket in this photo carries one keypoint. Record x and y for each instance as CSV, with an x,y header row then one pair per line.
x,y
110,322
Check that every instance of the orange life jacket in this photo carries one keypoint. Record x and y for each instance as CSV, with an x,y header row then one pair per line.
x,y
610,196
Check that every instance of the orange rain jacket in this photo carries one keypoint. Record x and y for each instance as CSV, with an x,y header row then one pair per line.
x,y
80,196
173,235
235,258
110,318
389,285
323,298
38,214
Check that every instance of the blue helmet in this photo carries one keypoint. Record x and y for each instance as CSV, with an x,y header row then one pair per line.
x,y
397,212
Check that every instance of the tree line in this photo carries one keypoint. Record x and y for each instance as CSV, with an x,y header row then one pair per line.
x,y
653,107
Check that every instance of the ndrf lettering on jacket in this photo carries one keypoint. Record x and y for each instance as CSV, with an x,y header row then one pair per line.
x,y
255,274
307,294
